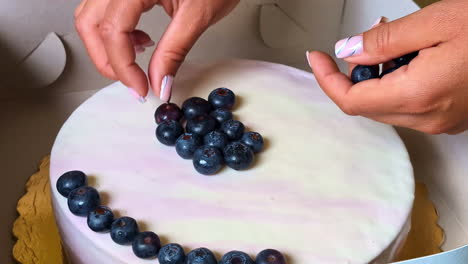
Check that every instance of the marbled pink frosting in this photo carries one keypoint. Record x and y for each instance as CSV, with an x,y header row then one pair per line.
x,y
329,188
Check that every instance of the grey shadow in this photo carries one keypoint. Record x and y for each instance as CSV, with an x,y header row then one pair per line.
x,y
92,180
105,197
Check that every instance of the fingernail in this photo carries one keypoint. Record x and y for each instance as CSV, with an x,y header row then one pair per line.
x,y
381,19
148,44
166,88
349,47
140,98
139,49
308,60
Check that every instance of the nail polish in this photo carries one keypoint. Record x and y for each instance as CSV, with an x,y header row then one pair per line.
x,y
308,60
166,88
140,98
349,47
148,44
381,19
139,49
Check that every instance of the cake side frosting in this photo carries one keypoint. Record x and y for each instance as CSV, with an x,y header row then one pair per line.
x,y
328,188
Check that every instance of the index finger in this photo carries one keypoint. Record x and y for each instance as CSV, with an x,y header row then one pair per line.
x,y
121,18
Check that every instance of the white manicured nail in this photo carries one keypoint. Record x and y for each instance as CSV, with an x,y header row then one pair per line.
x,y
139,49
140,98
381,19
166,88
148,44
308,60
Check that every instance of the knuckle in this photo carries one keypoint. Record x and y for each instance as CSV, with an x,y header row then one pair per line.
x,y
435,130
176,55
80,24
382,40
106,28
348,109
438,127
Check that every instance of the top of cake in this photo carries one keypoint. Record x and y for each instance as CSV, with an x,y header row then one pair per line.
x,y
329,188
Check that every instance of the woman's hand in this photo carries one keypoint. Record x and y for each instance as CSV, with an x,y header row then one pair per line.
x,y
430,94
108,30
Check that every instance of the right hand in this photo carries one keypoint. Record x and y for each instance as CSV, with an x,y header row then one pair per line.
x,y
108,30
430,94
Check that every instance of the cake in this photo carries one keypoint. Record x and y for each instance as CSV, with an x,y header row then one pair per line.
x,y
328,188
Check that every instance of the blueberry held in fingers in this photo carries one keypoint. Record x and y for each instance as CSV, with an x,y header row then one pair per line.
x,y
362,73
100,219
254,140
208,160
221,115
233,129
83,200
201,125
270,256
195,106
186,145
238,156
388,71
405,59
168,111
222,98
168,132
70,181
216,139
124,230
171,254
146,245
236,257
201,256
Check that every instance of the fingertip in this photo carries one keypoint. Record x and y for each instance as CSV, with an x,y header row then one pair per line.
x,y
322,63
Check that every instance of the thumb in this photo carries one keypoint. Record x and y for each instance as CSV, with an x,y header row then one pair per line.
x,y
391,40
186,27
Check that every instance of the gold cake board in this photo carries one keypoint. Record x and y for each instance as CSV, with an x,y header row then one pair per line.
x,y
38,240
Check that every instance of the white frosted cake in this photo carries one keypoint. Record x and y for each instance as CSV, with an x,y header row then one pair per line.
x,y
327,189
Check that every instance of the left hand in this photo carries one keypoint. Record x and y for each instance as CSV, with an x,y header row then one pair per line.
x,y
430,94
108,30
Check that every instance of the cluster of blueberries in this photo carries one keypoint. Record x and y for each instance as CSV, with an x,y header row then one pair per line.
x,y
364,72
212,137
85,201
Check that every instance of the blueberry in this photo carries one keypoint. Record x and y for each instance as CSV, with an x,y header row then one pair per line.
x,y
216,139
100,219
70,181
146,245
186,145
270,256
233,129
221,115
222,98
388,71
168,132
171,254
195,106
124,230
406,59
168,111
208,160
363,73
201,256
201,125
83,200
254,140
238,156
236,257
